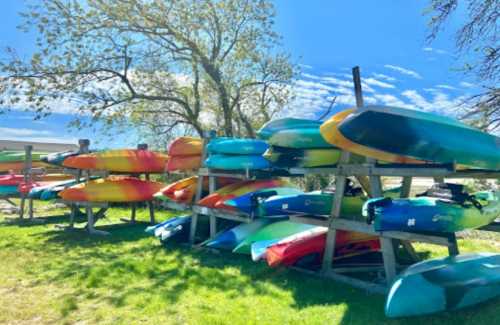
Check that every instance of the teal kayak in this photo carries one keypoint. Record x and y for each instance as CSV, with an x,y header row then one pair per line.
x,y
422,136
237,162
277,230
234,146
229,239
293,133
444,284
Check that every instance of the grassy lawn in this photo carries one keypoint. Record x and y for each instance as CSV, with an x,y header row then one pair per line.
x,y
48,275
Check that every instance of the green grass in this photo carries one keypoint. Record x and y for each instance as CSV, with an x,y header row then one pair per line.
x,y
52,276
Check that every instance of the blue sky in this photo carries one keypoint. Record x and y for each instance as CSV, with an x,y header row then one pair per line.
x,y
386,38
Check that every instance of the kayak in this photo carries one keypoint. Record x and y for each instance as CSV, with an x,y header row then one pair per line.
x,y
19,166
37,191
234,146
8,190
432,214
421,135
293,133
315,203
229,239
183,163
184,190
237,162
176,227
330,132
259,248
305,158
248,203
186,146
444,284
58,158
120,160
277,230
112,189
347,244
19,156
238,189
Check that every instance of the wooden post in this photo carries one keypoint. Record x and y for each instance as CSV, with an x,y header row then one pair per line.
x,y
406,187
213,219
28,165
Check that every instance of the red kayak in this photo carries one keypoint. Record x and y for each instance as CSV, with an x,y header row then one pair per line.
x,y
348,243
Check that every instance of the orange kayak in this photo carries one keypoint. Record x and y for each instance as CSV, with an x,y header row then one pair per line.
x,y
112,189
122,160
186,146
179,163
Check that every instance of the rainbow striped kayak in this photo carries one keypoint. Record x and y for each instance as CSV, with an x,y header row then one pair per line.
x,y
293,133
112,189
121,160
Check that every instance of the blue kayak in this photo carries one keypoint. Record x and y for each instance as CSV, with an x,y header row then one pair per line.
x,y
229,239
237,162
249,202
237,147
444,284
177,226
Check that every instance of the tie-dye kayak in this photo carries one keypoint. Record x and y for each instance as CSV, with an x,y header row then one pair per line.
x,y
444,284
112,189
121,160
312,247
432,214
237,189
293,133
421,135
330,132
186,146
183,163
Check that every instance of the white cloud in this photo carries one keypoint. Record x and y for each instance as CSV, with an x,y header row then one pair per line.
x,y
25,134
391,100
440,102
405,71
438,51
377,83
305,66
383,76
22,132
466,84
446,87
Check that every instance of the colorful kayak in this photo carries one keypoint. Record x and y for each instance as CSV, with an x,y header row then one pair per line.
x,y
236,146
248,203
19,156
259,248
229,239
19,166
315,203
237,162
293,133
305,158
329,131
238,189
183,163
37,191
444,284
184,190
58,158
277,230
186,146
432,214
421,135
313,246
122,160
112,189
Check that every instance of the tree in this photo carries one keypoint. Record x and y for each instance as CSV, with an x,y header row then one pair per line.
x,y
476,40
164,62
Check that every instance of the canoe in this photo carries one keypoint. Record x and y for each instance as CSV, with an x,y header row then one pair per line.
x,y
316,203
258,249
248,203
121,160
432,214
277,230
347,244
112,189
229,239
421,135
183,163
329,131
293,133
236,146
186,146
238,189
237,162
444,284
289,157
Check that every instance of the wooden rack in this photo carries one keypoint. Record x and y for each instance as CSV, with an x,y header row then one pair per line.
x,y
369,175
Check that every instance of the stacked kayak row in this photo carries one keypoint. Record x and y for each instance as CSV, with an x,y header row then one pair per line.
x,y
184,154
237,154
13,161
14,184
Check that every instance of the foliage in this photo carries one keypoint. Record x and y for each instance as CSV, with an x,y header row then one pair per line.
x,y
163,64
476,40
